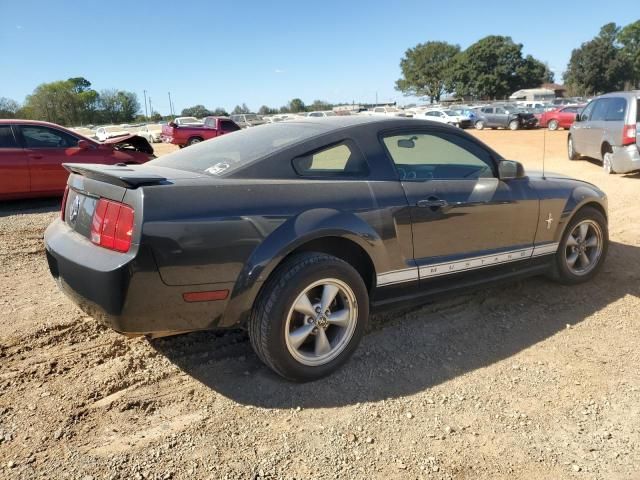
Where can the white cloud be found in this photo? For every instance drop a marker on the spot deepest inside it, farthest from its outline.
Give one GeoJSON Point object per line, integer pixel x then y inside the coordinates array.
{"type": "Point", "coordinates": [277, 70]}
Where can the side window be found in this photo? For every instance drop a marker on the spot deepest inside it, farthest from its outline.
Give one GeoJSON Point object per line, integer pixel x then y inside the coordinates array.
{"type": "Point", "coordinates": [7, 140]}
{"type": "Point", "coordinates": [422, 156]}
{"type": "Point", "coordinates": [338, 160]}
{"type": "Point", "coordinates": [228, 126]}
{"type": "Point", "coordinates": [487, 110]}
{"type": "Point", "coordinates": [587, 111]}
{"type": "Point", "coordinates": [500, 110]}
{"type": "Point", "coordinates": [615, 110]}
{"type": "Point", "coordinates": [44, 137]}
{"type": "Point", "coordinates": [600, 110]}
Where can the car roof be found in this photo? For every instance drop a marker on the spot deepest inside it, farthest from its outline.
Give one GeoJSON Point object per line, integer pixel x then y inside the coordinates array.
{"type": "Point", "coordinates": [29, 122]}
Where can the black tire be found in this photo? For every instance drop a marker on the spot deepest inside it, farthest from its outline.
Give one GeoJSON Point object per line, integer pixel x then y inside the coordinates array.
{"type": "Point", "coordinates": [571, 149]}
{"type": "Point", "coordinates": [268, 319]}
{"type": "Point", "coordinates": [193, 141]}
{"type": "Point", "coordinates": [514, 125]}
{"type": "Point", "coordinates": [479, 125]}
{"type": "Point", "coordinates": [553, 125]}
{"type": "Point", "coordinates": [561, 272]}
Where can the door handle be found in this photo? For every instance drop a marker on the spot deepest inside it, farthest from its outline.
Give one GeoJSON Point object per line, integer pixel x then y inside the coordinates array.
{"type": "Point", "coordinates": [432, 203]}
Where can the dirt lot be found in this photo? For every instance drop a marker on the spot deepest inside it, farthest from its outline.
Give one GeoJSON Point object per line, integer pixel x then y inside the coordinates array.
{"type": "Point", "coordinates": [532, 380]}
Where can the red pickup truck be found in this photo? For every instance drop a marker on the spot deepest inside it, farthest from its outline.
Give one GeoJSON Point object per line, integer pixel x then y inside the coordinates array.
{"type": "Point", "coordinates": [185, 135]}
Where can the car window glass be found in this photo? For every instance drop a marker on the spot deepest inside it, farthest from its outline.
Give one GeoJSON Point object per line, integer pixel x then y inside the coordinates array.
{"type": "Point", "coordinates": [500, 110]}
{"type": "Point", "coordinates": [487, 110]}
{"type": "Point", "coordinates": [586, 113]}
{"type": "Point", "coordinates": [339, 159]}
{"type": "Point", "coordinates": [600, 110]}
{"type": "Point", "coordinates": [228, 126]}
{"type": "Point", "coordinates": [615, 110]}
{"type": "Point", "coordinates": [443, 156]}
{"type": "Point", "coordinates": [44, 137]}
{"type": "Point", "coordinates": [7, 140]}
{"type": "Point", "coordinates": [570, 110]}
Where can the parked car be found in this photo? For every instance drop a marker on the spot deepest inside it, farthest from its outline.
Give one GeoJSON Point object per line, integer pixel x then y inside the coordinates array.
{"type": "Point", "coordinates": [297, 230]}
{"type": "Point", "coordinates": [559, 118]}
{"type": "Point", "coordinates": [110, 131]}
{"type": "Point", "coordinates": [505, 116]}
{"type": "Point", "coordinates": [322, 113]}
{"type": "Point", "coordinates": [246, 120]}
{"type": "Point", "coordinates": [465, 111]}
{"type": "Point", "coordinates": [445, 116]}
{"type": "Point", "coordinates": [272, 119]}
{"type": "Point", "coordinates": [189, 134]}
{"type": "Point", "coordinates": [608, 130]}
{"type": "Point", "coordinates": [32, 154]}
{"type": "Point", "coordinates": [386, 112]}
{"type": "Point", "coordinates": [152, 132]}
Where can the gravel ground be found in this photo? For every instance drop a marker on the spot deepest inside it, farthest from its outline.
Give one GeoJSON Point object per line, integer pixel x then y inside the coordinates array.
{"type": "Point", "coordinates": [533, 380]}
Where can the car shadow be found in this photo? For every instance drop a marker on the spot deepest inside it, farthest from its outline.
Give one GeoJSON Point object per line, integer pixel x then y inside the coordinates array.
{"type": "Point", "coordinates": [39, 205]}
{"type": "Point", "coordinates": [411, 352]}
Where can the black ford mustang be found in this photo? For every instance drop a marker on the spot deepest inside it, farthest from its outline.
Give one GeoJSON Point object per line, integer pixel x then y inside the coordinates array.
{"type": "Point", "coordinates": [297, 229]}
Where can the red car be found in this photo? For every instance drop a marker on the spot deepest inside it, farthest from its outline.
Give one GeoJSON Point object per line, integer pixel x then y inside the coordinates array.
{"type": "Point", "coordinates": [190, 134]}
{"type": "Point", "coordinates": [562, 117]}
{"type": "Point", "coordinates": [32, 154]}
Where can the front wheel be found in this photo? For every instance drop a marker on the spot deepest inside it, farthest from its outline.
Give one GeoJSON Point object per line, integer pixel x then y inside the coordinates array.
{"type": "Point", "coordinates": [583, 247]}
{"type": "Point", "coordinates": [514, 125]}
{"type": "Point", "coordinates": [571, 149]}
{"type": "Point", "coordinates": [553, 125]}
{"type": "Point", "coordinates": [309, 317]}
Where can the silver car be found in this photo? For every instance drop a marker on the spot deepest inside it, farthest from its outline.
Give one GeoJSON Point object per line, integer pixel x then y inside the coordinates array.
{"type": "Point", "coordinates": [608, 130]}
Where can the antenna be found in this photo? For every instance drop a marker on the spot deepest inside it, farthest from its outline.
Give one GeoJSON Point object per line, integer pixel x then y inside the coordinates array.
{"type": "Point", "coordinates": [544, 149]}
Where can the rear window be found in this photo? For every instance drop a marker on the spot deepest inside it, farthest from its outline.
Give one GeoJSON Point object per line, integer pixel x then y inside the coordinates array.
{"type": "Point", "coordinates": [224, 155]}
{"type": "Point", "coordinates": [7, 140]}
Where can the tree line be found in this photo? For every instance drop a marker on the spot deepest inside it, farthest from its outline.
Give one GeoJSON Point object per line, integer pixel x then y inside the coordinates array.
{"type": "Point", "coordinates": [74, 102]}
{"type": "Point", "coordinates": [296, 105]}
{"type": "Point", "coordinates": [494, 67]}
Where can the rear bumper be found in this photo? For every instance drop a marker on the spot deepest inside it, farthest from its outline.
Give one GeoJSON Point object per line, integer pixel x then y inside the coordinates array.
{"type": "Point", "coordinates": [125, 291]}
{"type": "Point", "coordinates": [626, 159]}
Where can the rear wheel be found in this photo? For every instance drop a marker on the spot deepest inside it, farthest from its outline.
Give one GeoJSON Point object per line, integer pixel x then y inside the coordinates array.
{"type": "Point", "coordinates": [309, 317]}
{"type": "Point", "coordinates": [553, 125]}
{"type": "Point", "coordinates": [514, 125]}
{"type": "Point", "coordinates": [571, 149]}
{"type": "Point", "coordinates": [607, 161]}
{"type": "Point", "coordinates": [583, 247]}
{"type": "Point", "coordinates": [193, 141]}
{"type": "Point", "coordinates": [479, 125]}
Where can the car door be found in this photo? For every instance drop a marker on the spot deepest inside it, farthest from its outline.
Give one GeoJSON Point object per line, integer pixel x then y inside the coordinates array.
{"type": "Point", "coordinates": [14, 167]}
{"type": "Point", "coordinates": [487, 114]}
{"type": "Point", "coordinates": [47, 149]}
{"type": "Point", "coordinates": [566, 116]}
{"type": "Point", "coordinates": [463, 217]}
{"type": "Point", "coordinates": [596, 128]}
{"type": "Point", "coordinates": [500, 117]}
{"type": "Point", "coordinates": [581, 128]}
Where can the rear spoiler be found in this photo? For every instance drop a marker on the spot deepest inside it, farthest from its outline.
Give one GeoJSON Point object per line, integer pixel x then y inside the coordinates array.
{"type": "Point", "coordinates": [121, 175]}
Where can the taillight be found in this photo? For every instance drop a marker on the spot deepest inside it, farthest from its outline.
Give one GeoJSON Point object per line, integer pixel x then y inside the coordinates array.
{"type": "Point", "coordinates": [112, 225]}
{"type": "Point", "coordinates": [629, 133]}
{"type": "Point", "coordinates": [64, 202]}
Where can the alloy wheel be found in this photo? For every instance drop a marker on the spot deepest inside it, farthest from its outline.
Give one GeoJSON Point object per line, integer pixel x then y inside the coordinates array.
{"type": "Point", "coordinates": [583, 247]}
{"type": "Point", "coordinates": [321, 322]}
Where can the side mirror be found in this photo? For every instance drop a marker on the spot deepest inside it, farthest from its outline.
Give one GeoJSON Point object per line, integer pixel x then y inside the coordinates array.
{"type": "Point", "coordinates": [83, 145]}
{"type": "Point", "coordinates": [508, 169]}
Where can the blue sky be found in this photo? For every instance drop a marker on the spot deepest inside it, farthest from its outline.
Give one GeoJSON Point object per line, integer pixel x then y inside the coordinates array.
{"type": "Point", "coordinates": [259, 52]}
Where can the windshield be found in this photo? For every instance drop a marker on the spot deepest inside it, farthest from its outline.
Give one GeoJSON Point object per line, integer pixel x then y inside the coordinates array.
{"type": "Point", "coordinates": [251, 117]}
{"type": "Point", "coordinates": [222, 156]}
{"type": "Point", "coordinates": [451, 113]}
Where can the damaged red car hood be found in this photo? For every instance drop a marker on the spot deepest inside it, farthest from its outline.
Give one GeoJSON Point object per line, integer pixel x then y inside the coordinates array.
{"type": "Point", "coordinates": [131, 142]}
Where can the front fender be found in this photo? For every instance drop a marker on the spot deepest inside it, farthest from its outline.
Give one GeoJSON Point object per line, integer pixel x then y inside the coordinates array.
{"type": "Point", "coordinates": [293, 233]}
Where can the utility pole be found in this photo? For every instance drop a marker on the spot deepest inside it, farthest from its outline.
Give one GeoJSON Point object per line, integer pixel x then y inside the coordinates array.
{"type": "Point", "coordinates": [146, 112]}
{"type": "Point", "coordinates": [170, 104]}
{"type": "Point", "coordinates": [376, 99]}
{"type": "Point", "coordinates": [150, 107]}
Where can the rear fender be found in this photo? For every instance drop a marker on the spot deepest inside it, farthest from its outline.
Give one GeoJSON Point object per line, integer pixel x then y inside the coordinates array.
{"type": "Point", "coordinates": [292, 234]}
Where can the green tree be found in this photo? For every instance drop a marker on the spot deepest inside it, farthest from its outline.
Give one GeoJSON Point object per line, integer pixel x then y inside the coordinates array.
{"type": "Point", "coordinates": [118, 106]}
{"type": "Point", "coordinates": [296, 105]}
{"type": "Point", "coordinates": [265, 110]}
{"type": "Point", "coordinates": [241, 109]}
{"type": "Point", "coordinates": [629, 39]}
{"type": "Point", "coordinates": [155, 116]}
{"type": "Point", "coordinates": [220, 112]}
{"type": "Point", "coordinates": [319, 105]}
{"type": "Point", "coordinates": [426, 69]}
{"type": "Point", "coordinates": [8, 108]}
{"type": "Point", "coordinates": [494, 67]}
{"type": "Point", "coordinates": [197, 111]}
{"type": "Point", "coordinates": [598, 65]}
